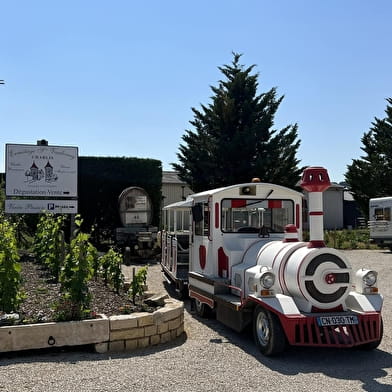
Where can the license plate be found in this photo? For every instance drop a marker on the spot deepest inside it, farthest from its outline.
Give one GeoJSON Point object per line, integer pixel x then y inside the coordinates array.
{"type": "Point", "coordinates": [326, 321]}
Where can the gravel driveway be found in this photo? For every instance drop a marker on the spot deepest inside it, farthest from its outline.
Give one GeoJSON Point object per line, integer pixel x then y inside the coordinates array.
{"type": "Point", "coordinates": [211, 357]}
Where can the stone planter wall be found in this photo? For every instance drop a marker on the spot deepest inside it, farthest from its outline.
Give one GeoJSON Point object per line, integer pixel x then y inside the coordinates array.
{"type": "Point", "coordinates": [54, 334]}
{"type": "Point", "coordinates": [116, 333]}
{"type": "Point", "coordinates": [140, 330]}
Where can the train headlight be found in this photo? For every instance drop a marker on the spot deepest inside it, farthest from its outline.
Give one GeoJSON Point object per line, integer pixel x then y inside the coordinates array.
{"type": "Point", "coordinates": [365, 281]}
{"type": "Point", "coordinates": [370, 278]}
{"type": "Point", "coordinates": [267, 279]}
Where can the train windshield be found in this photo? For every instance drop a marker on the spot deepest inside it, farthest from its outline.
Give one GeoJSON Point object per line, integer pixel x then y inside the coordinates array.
{"type": "Point", "coordinates": [256, 216]}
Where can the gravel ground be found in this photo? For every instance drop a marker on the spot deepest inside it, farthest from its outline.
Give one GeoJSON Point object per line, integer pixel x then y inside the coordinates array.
{"type": "Point", "coordinates": [211, 357]}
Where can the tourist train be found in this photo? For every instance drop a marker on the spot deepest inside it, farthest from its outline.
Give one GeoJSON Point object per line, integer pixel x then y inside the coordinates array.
{"type": "Point", "coordinates": [238, 251]}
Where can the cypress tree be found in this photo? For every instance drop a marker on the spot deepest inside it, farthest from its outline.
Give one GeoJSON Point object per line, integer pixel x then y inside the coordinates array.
{"type": "Point", "coordinates": [371, 175]}
{"type": "Point", "coordinates": [233, 138]}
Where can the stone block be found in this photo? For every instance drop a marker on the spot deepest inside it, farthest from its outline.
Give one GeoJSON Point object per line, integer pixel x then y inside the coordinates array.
{"type": "Point", "coordinates": [162, 328]}
{"type": "Point", "coordinates": [165, 337]}
{"type": "Point", "coordinates": [171, 312]}
{"type": "Point", "coordinates": [131, 344]}
{"type": "Point", "coordinates": [155, 339]}
{"type": "Point", "coordinates": [156, 300]}
{"type": "Point", "coordinates": [174, 324]}
{"type": "Point", "coordinates": [70, 333]}
{"type": "Point", "coordinates": [101, 348]}
{"type": "Point", "coordinates": [123, 321]}
{"type": "Point", "coordinates": [144, 319]}
{"type": "Point", "coordinates": [158, 317]}
{"type": "Point", "coordinates": [125, 334]}
{"type": "Point", "coordinates": [143, 342]}
{"type": "Point", "coordinates": [150, 330]}
{"type": "Point", "coordinates": [117, 346]}
{"type": "Point", "coordinates": [180, 330]}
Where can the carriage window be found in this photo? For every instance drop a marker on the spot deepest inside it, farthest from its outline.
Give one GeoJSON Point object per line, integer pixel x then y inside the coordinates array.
{"type": "Point", "coordinates": [171, 220]}
{"type": "Point", "coordinates": [202, 227]}
{"type": "Point", "coordinates": [182, 219]}
{"type": "Point", "coordinates": [250, 215]}
{"type": "Point", "coordinates": [382, 214]}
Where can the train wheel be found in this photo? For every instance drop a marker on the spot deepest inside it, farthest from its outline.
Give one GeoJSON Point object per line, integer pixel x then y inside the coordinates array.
{"type": "Point", "coordinates": [267, 332]}
{"type": "Point", "coordinates": [202, 310]}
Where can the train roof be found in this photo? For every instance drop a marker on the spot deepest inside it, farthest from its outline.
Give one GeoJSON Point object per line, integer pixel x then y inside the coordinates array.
{"type": "Point", "coordinates": [236, 186]}
{"type": "Point", "coordinates": [189, 201]}
{"type": "Point", "coordinates": [378, 199]}
{"type": "Point", "coordinates": [180, 204]}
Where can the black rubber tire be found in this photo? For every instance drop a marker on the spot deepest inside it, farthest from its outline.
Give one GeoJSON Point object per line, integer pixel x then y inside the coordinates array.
{"type": "Point", "coordinates": [268, 333]}
{"type": "Point", "coordinates": [202, 310]}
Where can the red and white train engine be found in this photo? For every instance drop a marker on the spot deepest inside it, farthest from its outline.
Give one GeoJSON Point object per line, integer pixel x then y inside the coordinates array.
{"type": "Point", "coordinates": [247, 261]}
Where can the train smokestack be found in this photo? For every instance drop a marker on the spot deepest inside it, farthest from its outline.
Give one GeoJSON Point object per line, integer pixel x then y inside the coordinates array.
{"type": "Point", "coordinates": [315, 180]}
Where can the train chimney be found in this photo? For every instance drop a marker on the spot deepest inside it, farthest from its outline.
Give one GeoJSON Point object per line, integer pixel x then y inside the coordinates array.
{"type": "Point", "coordinates": [315, 180]}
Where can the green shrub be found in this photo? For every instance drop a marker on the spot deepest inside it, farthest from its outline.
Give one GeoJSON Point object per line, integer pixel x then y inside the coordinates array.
{"type": "Point", "coordinates": [110, 264]}
{"type": "Point", "coordinates": [10, 277]}
{"type": "Point", "coordinates": [348, 239]}
{"type": "Point", "coordinates": [74, 277]}
{"type": "Point", "coordinates": [49, 244]}
{"type": "Point", "coordinates": [138, 284]}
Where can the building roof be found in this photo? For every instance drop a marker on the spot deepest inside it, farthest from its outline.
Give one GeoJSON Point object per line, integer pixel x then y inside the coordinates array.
{"type": "Point", "coordinates": [171, 177]}
{"type": "Point", "coordinates": [348, 196]}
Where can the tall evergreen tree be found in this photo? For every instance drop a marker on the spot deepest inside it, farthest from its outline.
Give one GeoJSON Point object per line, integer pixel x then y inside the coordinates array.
{"type": "Point", "coordinates": [371, 175]}
{"type": "Point", "coordinates": [233, 138]}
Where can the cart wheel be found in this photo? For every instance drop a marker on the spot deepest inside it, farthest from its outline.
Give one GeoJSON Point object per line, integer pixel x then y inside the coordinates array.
{"type": "Point", "coordinates": [267, 332]}
{"type": "Point", "coordinates": [202, 310]}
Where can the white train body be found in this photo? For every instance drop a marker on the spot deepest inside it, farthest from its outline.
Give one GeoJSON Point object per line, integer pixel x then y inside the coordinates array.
{"type": "Point", "coordinates": [247, 261]}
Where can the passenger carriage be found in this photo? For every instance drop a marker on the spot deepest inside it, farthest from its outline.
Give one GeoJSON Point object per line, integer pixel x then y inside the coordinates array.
{"type": "Point", "coordinates": [174, 239]}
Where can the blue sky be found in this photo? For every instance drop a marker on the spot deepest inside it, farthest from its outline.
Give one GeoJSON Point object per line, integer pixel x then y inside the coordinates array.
{"type": "Point", "coordinates": [119, 78]}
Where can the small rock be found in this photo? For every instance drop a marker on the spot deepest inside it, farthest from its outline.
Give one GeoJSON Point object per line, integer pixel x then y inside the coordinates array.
{"type": "Point", "coordinates": [157, 300]}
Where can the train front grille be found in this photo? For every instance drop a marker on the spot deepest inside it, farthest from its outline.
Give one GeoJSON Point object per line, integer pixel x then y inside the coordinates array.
{"type": "Point", "coordinates": [307, 332]}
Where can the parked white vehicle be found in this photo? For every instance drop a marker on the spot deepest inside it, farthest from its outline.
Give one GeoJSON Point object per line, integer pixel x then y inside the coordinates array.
{"type": "Point", "coordinates": [380, 224]}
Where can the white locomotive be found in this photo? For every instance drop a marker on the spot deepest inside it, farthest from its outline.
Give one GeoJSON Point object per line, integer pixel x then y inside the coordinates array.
{"type": "Point", "coordinates": [247, 261]}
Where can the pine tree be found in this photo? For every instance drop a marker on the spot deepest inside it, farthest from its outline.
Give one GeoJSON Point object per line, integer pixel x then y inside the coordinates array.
{"type": "Point", "coordinates": [233, 138]}
{"type": "Point", "coordinates": [371, 175]}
